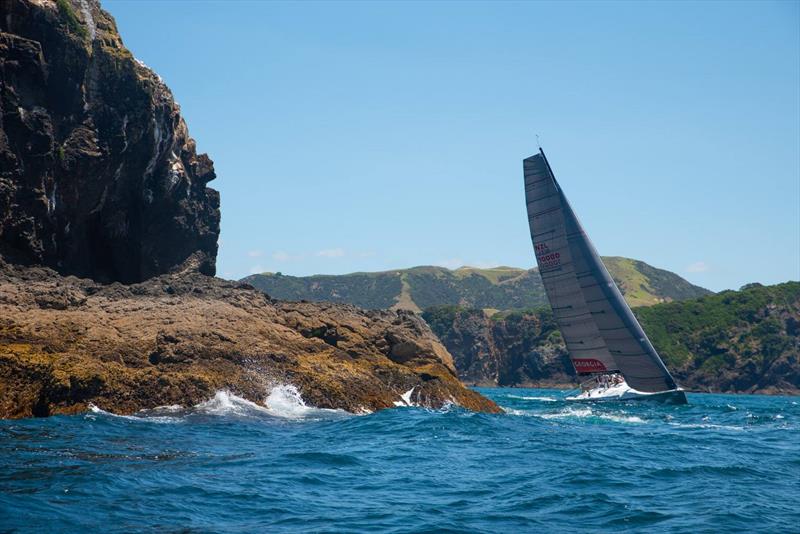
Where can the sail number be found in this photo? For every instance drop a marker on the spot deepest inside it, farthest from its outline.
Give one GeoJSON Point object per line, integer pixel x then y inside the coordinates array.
{"type": "Point", "coordinates": [545, 258]}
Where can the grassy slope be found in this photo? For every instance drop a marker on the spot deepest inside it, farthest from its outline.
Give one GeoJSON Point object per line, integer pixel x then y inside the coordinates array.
{"type": "Point", "coordinates": [366, 290]}
{"type": "Point", "coordinates": [498, 288]}
{"type": "Point", "coordinates": [632, 282]}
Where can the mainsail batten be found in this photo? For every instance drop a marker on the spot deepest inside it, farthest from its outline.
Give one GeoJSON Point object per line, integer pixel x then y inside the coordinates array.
{"type": "Point", "coordinates": [598, 327]}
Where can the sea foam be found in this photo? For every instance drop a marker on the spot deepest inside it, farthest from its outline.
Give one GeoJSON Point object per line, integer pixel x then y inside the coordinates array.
{"type": "Point", "coordinates": [283, 401]}
{"type": "Point", "coordinates": [226, 403]}
{"type": "Point", "coordinates": [405, 398]}
{"type": "Point", "coordinates": [542, 399]}
{"type": "Point", "coordinates": [578, 412]}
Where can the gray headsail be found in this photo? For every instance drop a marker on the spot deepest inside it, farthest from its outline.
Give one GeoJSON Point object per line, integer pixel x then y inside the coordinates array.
{"type": "Point", "coordinates": [598, 326]}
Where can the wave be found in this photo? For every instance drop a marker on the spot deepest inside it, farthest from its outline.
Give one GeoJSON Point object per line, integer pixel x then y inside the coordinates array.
{"type": "Point", "coordinates": [258, 471]}
{"type": "Point", "coordinates": [405, 398]}
{"type": "Point", "coordinates": [543, 399]}
{"type": "Point", "coordinates": [284, 401]}
{"type": "Point", "coordinates": [152, 416]}
{"type": "Point", "coordinates": [226, 403]}
{"type": "Point", "coordinates": [571, 412]}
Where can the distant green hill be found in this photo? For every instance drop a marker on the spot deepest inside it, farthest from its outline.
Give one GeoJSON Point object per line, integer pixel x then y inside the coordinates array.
{"type": "Point", "coordinates": [499, 288]}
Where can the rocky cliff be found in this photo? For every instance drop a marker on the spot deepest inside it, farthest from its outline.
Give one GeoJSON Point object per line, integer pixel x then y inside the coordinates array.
{"type": "Point", "coordinates": [67, 342]}
{"type": "Point", "coordinates": [98, 174]}
{"type": "Point", "coordinates": [519, 348]}
{"type": "Point", "coordinates": [108, 235]}
{"type": "Point", "coordinates": [737, 341]}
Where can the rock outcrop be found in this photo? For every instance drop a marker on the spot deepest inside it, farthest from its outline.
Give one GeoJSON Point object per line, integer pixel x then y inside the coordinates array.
{"type": "Point", "coordinates": [67, 342]}
{"type": "Point", "coordinates": [98, 175]}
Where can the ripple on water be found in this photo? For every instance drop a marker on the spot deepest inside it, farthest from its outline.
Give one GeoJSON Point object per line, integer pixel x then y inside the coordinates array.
{"type": "Point", "coordinates": [229, 464]}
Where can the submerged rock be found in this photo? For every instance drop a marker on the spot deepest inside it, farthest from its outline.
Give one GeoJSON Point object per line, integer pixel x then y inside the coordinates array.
{"type": "Point", "coordinates": [67, 342]}
{"type": "Point", "coordinates": [98, 175]}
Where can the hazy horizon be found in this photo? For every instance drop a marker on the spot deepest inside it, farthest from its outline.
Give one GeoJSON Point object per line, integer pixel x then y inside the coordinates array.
{"type": "Point", "coordinates": [375, 136]}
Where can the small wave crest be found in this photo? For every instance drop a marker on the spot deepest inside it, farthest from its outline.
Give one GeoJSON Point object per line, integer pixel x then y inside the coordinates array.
{"type": "Point", "coordinates": [283, 401]}
{"type": "Point", "coordinates": [579, 413]}
{"type": "Point", "coordinates": [588, 413]}
{"type": "Point", "coordinates": [706, 426]}
{"type": "Point", "coordinates": [226, 403]}
{"type": "Point", "coordinates": [405, 398]}
{"type": "Point", "coordinates": [156, 415]}
{"type": "Point", "coordinates": [408, 400]}
{"type": "Point", "coordinates": [542, 399]}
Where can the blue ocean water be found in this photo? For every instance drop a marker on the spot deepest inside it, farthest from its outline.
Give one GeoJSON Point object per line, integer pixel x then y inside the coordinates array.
{"type": "Point", "coordinates": [722, 463]}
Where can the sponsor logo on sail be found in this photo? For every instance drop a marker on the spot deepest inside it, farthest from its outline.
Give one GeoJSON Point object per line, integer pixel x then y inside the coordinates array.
{"type": "Point", "coordinates": [588, 365]}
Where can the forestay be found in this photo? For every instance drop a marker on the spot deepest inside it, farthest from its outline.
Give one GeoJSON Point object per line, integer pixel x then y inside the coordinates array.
{"type": "Point", "coordinates": [598, 327]}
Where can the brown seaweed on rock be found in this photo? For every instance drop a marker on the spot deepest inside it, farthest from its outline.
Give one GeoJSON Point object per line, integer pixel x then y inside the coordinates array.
{"type": "Point", "coordinates": [67, 342]}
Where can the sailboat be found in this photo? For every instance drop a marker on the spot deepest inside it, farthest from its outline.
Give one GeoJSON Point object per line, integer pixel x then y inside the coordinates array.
{"type": "Point", "coordinates": [606, 343]}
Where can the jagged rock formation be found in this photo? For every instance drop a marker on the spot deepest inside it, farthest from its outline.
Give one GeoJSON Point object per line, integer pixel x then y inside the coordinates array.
{"type": "Point", "coordinates": [499, 288]}
{"type": "Point", "coordinates": [98, 174]}
{"type": "Point", "coordinates": [66, 342]}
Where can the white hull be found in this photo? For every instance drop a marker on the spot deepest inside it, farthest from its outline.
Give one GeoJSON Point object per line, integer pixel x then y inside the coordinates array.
{"type": "Point", "coordinates": [623, 392]}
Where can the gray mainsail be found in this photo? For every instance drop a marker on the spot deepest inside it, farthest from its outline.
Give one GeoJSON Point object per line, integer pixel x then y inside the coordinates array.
{"type": "Point", "coordinates": [554, 255]}
{"type": "Point", "coordinates": [600, 331]}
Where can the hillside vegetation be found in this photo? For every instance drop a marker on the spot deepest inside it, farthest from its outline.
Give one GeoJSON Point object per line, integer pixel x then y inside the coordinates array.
{"type": "Point", "coordinates": [499, 288]}
{"type": "Point", "coordinates": [732, 341]}
{"type": "Point", "coordinates": [746, 341]}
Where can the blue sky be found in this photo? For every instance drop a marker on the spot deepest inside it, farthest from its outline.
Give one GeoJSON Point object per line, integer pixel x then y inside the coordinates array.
{"type": "Point", "coordinates": [370, 136]}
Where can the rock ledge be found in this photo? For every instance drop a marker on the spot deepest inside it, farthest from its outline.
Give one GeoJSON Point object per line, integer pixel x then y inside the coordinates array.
{"type": "Point", "coordinates": [67, 342]}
